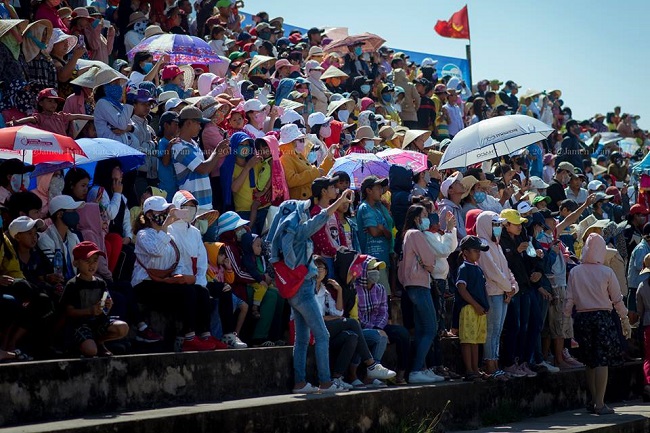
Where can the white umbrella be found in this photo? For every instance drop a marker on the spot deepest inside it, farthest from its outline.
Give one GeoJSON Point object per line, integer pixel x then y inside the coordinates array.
{"type": "Point", "coordinates": [492, 138]}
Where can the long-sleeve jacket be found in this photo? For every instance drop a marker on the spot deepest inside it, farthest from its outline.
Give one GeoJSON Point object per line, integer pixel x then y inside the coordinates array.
{"type": "Point", "coordinates": [442, 244]}
{"type": "Point", "coordinates": [300, 174]}
{"type": "Point", "coordinates": [154, 251]}
{"type": "Point", "coordinates": [194, 259]}
{"type": "Point", "coordinates": [499, 278]}
{"type": "Point", "coordinates": [411, 102]}
{"type": "Point", "coordinates": [416, 252]}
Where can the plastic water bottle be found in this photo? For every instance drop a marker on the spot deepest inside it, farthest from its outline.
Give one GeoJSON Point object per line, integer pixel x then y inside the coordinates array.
{"type": "Point", "coordinates": [105, 296]}
{"type": "Point", "coordinates": [57, 262]}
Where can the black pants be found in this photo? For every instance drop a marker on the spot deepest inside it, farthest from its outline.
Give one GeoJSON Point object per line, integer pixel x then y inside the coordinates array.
{"type": "Point", "coordinates": [192, 302]}
{"type": "Point", "coordinates": [224, 300]}
{"type": "Point", "coordinates": [349, 326]}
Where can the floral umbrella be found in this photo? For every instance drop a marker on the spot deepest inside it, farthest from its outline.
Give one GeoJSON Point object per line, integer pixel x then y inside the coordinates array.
{"type": "Point", "coordinates": [182, 49]}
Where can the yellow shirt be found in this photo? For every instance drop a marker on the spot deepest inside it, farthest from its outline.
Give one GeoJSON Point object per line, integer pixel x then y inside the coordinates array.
{"type": "Point", "coordinates": [10, 266]}
{"type": "Point", "coordinates": [243, 198]}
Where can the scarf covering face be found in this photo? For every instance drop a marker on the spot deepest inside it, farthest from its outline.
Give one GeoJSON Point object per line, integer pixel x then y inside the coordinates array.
{"type": "Point", "coordinates": [14, 46]}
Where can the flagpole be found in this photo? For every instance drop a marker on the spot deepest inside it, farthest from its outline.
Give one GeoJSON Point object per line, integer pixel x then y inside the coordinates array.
{"type": "Point", "coordinates": [468, 53]}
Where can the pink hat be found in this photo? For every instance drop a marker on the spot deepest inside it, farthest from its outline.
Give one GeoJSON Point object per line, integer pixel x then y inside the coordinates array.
{"type": "Point", "coordinates": [282, 63]}
{"type": "Point", "coordinates": [365, 103]}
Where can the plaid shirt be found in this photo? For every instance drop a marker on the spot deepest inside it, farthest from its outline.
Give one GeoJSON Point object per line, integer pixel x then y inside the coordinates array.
{"type": "Point", "coordinates": [372, 305]}
{"type": "Point", "coordinates": [42, 73]}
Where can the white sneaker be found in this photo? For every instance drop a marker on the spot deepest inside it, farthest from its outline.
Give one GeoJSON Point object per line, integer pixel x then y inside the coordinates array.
{"type": "Point", "coordinates": [381, 372]}
{"type": "Point", "coordinates": [307, 389]}
{"type": "Point", "coordinates": [333, 389]}
{"type": "Point", "coordinates": [570, 360]}
{"type": "Point", "coordinates": [342, 384]}
{"type": "Point", "coordinates": [233, 341]}
{"type": "Point", "coordinates": [514, 371]}
{"type": "Point", "coordinates": [549, 367]}
{"type": "Point", "coordinates": [429, 372]}
{"type": "Point", "coordinates": [523, 367]}
{"type": "Point", "coordinates": [376, 383]}
{"type": "Point", "coordinates": [420, 377]}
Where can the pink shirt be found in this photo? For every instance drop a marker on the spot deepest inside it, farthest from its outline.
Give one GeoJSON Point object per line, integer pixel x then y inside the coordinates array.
{"type": "Point", "coordinates": [416, 252]}
{"type": "Point", "coordinates": [212, 136]}
{"type": "Point", "coordinates": [46, 12]}
{"type": "Point", "coordinates": [57, 122]}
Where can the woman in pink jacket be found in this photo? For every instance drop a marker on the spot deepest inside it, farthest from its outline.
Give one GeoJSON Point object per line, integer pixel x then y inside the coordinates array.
{"type": "Point", "coordinates": [593, 289]}
{"type": "Point", "coordinates": [415, 274]}
{"type": "Point", "coordinates": [500, 285]}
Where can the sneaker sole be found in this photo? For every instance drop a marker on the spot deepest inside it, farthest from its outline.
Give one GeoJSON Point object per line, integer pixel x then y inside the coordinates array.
{"type": "Point", "coordinates": [145, 340]}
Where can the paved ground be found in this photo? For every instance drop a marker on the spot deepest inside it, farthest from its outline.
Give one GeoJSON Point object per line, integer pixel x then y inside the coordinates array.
{"type": "Point", "coordinates": [632, 417]}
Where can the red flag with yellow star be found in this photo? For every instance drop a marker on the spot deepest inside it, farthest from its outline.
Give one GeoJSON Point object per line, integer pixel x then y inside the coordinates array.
{"type": "Point", "coordinates": [457, 27]}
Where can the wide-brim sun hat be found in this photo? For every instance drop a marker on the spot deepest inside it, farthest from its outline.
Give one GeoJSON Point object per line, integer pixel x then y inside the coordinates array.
{"type": "Point", "coordinates": [229, 221]}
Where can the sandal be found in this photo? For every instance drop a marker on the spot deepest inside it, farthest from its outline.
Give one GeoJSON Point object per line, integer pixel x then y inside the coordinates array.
{"type": "Point", "coordinates": [22, 356]}
{"type": "Point", "coordinates": [473, 377]}
{"type": "Point", "coordinates": [500, 376]}
{"type": "Point", "coordinates": [267, 344]}
{"type": "Point", "coordinates": [103, 352]}
{"type": "Point", "coordinates": [605, 410]}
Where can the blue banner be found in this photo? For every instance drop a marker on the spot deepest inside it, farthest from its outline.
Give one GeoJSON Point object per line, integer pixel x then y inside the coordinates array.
{"type": "Point", "coordinates": [453, 66]}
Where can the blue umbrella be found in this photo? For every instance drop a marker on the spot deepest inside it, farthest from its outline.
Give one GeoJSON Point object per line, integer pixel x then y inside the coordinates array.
{"type": "Point", "coordinates": [97, 149]}
{"type": "Point", "coordinates": [359, 166]}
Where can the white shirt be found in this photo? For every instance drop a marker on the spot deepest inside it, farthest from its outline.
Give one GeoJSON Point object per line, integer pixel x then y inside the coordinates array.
{"type": "Point", "coordinates": [152, 248]}
{"type": "Point", "coordinates": [190, 244]}
{"type": "Point", "coordinates": [326, 303]}
{"type": "Point", "coordinates": [455, 118]}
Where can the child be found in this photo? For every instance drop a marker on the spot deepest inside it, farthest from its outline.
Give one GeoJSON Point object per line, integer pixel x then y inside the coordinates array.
{"type": "Point", "coordinates": [220, 275]}
{"type": "Point", "coordinates": [87, 304]}
{"type": "Point", "coordinates": [173, 77]}
{"type": "Point", "coordinates": [472, 296]}
{"type": "Point", "coordinates": [236, 121]}
{"type": "Point", "coordinates": [255, 264]}
{"type": "Point", "coordinates": [47, 117]}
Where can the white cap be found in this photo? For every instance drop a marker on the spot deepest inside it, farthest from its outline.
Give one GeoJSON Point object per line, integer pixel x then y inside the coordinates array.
{"type": "Point", "coordinates": [156, 204]}
{"type": "Point", "coordinates": [253, 105]}
{"type": "Point", "coordinates": [312, 65]}
{"type": "Point", "coordinates": [426, 62]}
{"type": "Point", "coordinates": [289, 133]}
{"type": "Point", "coordinates": [446, 184]}
{"type": "Point", "coordinates": [525, 207]}
{"type": "Point", "coordinates": [318, 118]}
{"type": "Point", "coordinates": [595, 185]}
{"type": "Point", "coordinates": [537, 182]}
{"type": "Point", "coordinates": [64, 202]}
{"type": "Point", "coordinates": [24, 224]}
{"type": "Point", "coordinates": [172, 103]}
{"type": "Point", "coordinates": [290, 116]}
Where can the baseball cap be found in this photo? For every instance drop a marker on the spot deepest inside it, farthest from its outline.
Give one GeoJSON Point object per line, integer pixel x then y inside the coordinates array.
{"type": "Point", "coordinates": [14, 166]}
{"type": "Point", "coordinates": [440, 88]}
{"type": "Point", "coordinates": [318, 118]}
{"type": "Point", "coordinates": [371, 181]}
{"type": "Point", "coordinates": [173, 103]}
{"type": "Point", "coordinates": [23, 224]}
{"type": "Point", "coordinates": [525, 207]}
{"type": "Point", "coordinates": [537, 183]}
{"type": "Point", "coordinates": [48, 94]}
{"type": "Point", "coordinates": [192, 113]}
{"type": "Point", "coordinates": [473, 243]}
{"type": "Point", "coordinates": [170, 72]}
{"type": "Point", "coordinates": [601, 196]}
{"type": "Point", "coordinates": [167, 116]}
{"type": "Point", "coordinates": [540, 198]}
{"type": "Point", "coordinates": [155, 204]}
{"type": "Point", "coordinates": [85, 250]}
{"type": "Point", "coordinates": [512, 216]}
{"type": "Point", "coordinates": [182, 197]}
{"type": "Point", "coordinates": [446, 184]}
{"type": "Point", "coordinates": [595, 185]}
{"type": "Point", "coordinates": [64, 202]}
{"type": "Point", "coordinates": [253, 105]}
{"type": "Point", "coordinates": [321, 183]}
{"type": "Point", "coordinates": [539, 218]}
{"type": "Point", "coordinates": [564, 165]}
{"type": "Point", "coordinates": [547, 214]}
{"type": "Point", "coordinates": [639, 209]}
{"type": "Point", "coordinates": [569, 204]}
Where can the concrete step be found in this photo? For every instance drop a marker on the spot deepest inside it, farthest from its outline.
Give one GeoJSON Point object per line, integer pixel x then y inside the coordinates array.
{"type": "Point", "coordinates": [463, 405]}
{"type": "Point", "coordinates": [630, 417]}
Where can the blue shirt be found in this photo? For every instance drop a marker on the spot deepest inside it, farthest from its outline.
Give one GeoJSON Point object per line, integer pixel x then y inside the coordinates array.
{"type": "Point", "coordinates": [166, 173]}
{"type": "Point", "coordinates": [536, 165]}
{"type": "Point", "coordinates": [379, 246]}
{"type": "Point", "coordinates": [474, 279]}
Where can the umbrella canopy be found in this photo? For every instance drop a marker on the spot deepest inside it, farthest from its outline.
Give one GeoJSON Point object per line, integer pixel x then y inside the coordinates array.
{"type": "Point", "coordinates": [492, 138]}
{"type": "Point", "coordinates": [359, 166]}
{"type": "Point", "coordinates": [371, 43]}
{"type": "Point", "coordinates": [98, 149]}
{"type": "Point", "coordinates": [416, 161]}
{"type": "Point", "coordinates": [35, 146]}
{"type": "Point", "coordinates": [182, 49]}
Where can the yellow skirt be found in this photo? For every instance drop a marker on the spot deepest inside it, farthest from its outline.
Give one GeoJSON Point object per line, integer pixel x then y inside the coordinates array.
{"type": "Point", "coordinates": [473, 328]}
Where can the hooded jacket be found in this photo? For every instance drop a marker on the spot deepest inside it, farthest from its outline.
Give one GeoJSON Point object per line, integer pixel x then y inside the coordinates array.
{"type": "Point", "coordinates": [499, 278]}
{"type": "Point", "coordinates": [592, 286]}
{"type": "Point", "coordinates": [415, 252]}
{"type": "Point", "coordinates": [217, 273]}
{"type": "Point", "coordinates": [43, 191]}
{"type": "Point", "coordinates": [249, 259]}
{"type": "Point", "coordinates": [372, 301]}
{"type": "Point", "coordinates": [319, 93]}
{"type": "Point", "coordinates": [442, 244]}
{"type": "Point", "coordinates": [411, 102]}
{"type": "Point", "coordinates": [299, 173]}
{"type": "Point", "coordinates": [228, 168]}
{"type": "Point", "coordinates": [280, 190]}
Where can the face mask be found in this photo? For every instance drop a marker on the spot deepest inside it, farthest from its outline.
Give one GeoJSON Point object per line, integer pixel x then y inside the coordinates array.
{"type": "Point", "coordinates": [398, 108]}
{"type": "Point", "coordinates": [496, 231]}
{"type": "Point", "coordinates": [140, 27]}
{"type": "Point", "coordinates": [373, 125]}
{"type": "Point", "coordinates": [259, 117]}
{"type": "Point", "coordinates": [147, 67]}
{"type": "Point", "coordinates": [19, 182]}
{"type": "Point", "coordinates": [369, 145]}
{"type": "Point", "coordinates": [480, 196]}
{"type": "Point", "coordinates": [56, 186]}
{"type": "Point", "coordinates": [201, 225]}
{"type": "Point", "coordinates": [427, 177]}
{"type": "Point", "coordinates": [373, 276]}
{"type": "Point", "coordinates": [253, 54]}
{"type": "Point", "coordinates": [358, 51]}
{"type": "Point", "coordinates": [315, 74]}
{"type": "Point", "coordinates": [159, 219]}
{"type": "Point", "coordinates": [386, 97]}
{"type": "Point", "coordinates": [312, 157]}
{"type": "Point", "coordinates": [365, 57]}
{"type": "Point", "coordinates": [243, 151]}
{"type": "Point", "coordinates": [113, 92]}
{"type": "Point", "coordinates": [239, 233]}
{"type": "Point", "coordinates": [344, 115]}
{"type": "Point", "coordinates": [536, 99]}
{"type": "Point", "coordinates": [70, 219]}
{"type": "Point", "coordinates": [336, 82]}
{"type": "Point", "coordinates": [365, 89]}
{"type": "Point", "coordinates": [424, 225]}
{"type": "Point", "coordinates": [325, 132]}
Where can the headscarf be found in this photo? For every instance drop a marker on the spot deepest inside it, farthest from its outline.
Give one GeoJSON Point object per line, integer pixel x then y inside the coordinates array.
{"type": "Point", "coordinates": [228, 167]}
{"type": "Point", "coordinates": [12, 44]}
{"type": "Point", "coordinates": [470, 221]}
{"type": "Point", "coordinates": [280, 189]}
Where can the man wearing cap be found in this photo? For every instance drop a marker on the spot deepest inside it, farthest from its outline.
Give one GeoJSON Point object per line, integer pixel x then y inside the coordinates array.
{"type": "Point", "coordinates": [571, 150]}
{"type": "Point", "coordinates": [452, 191]}
{"type": "Point", "coordinates": [564, 173]}
{"type": "Point", "coordinates": [167, 131]}
{"type": "Point", "coordinates": [192, 170]}
{"type": "Point", "coordinates": [509, 95]}
{"type": "Point", "coordinates": [575, 191]}
{"type": "Point", "coordinates": [454, 113]}
{"type": "Point", "coordinates": [633, 226]}
{"type": "Point", "coordinates": [146, 174]}
{"type": "Point", "coordinates": [439, 98]}
{"type": "Point", "coordinates": [375, 224]}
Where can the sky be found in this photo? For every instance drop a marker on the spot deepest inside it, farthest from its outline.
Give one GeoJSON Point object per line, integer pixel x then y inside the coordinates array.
{"type": "Point", "coordinates": [595, 51]}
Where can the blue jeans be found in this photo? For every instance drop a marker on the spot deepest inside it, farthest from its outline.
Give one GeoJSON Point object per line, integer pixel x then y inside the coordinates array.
{"type": "Point", "coordinates": [522, 328]}
{"type": "Point", "coordinates": [307, 316]}
{"type": "Point", "coordinates": [496, 316]}
{"type": "Point", "coordinates": [538, 356]}
{"type": "Point", "coordinates": [424, 316]}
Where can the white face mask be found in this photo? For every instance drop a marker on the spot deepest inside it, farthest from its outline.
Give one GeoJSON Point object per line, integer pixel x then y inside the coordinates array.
{"type": "Point", "coordinates": [369, 145]}
{"type": "Point", "coordinates": [192, 210]}
{"type": "Point", "coordinates": [344, 115]}
{"type": "Point", "coordinates": [56, 186]}
{"type": "Point", "coordinates": [19, 182]}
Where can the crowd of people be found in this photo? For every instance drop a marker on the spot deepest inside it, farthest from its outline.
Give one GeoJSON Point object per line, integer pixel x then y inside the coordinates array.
{"type": "Point", "coordinates": [528, 259]}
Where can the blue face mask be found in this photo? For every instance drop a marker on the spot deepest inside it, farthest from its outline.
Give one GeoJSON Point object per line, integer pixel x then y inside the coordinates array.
{"type": "Point", "coordinates": [365, 89]}
{"type": "Point", "coordinates": [480, 196]}
{"type": "Point", "coordinates": [496, 231]}
{"type": "Point", "coordinates": [243, 151]}
{"type": "Point", "coordinates": [386, 97]}
{"type": "Point", "coordinates": [113, 92]}
{"type": "Point", "coordinates": [147, 67]}
{"type": "Point", "coordinates": [424, 225]}
{"type": "Point", "coordinates": [312, 157]}
{"type": "Point", "coordinates": [358, 51]}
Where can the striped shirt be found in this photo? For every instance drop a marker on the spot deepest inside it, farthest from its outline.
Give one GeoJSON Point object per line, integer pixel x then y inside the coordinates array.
{"type": "Point", "coordinates": [187, 157]}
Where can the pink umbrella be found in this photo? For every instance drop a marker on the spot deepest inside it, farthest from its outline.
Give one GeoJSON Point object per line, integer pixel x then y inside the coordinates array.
{"type": "Point", "coordinates": [416, 161]}
{"type": "Point", "coordinates": [371, 43]}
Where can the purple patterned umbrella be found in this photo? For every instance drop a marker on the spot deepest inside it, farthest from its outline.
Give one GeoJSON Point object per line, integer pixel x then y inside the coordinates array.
{"type": "Point", "coordinates": [182, 49]}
